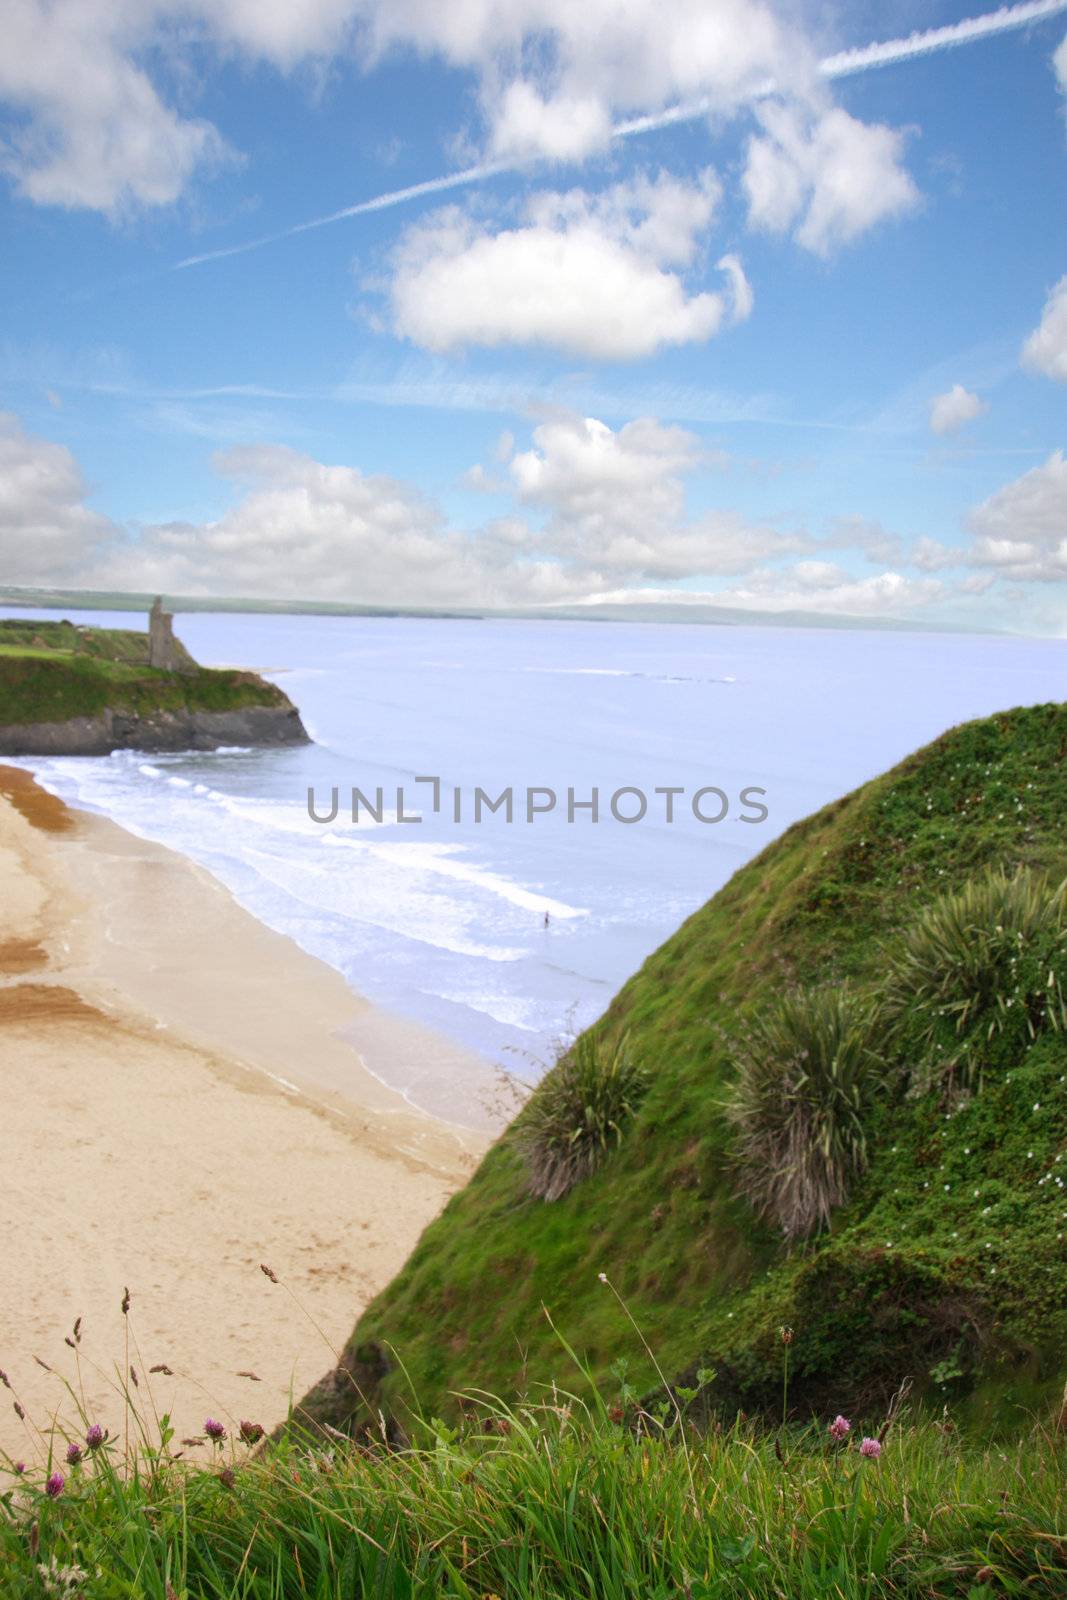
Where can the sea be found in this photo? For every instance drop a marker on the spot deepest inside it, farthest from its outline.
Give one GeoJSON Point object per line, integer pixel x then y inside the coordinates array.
{"type": "Point", "coordinates": [508, 935]}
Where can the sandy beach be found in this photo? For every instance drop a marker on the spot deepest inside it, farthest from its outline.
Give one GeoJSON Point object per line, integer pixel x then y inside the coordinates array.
{"type": "Point", "coordinates": [183, 1100]}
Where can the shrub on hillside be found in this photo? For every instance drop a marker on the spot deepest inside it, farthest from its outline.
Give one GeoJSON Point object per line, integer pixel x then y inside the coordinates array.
{"type": "Point", "coordinates": [578, 1114]}
{"type": "Point", "coordinates": [987, 961]}
{"type": "Point", "coordinates": [808, 1075]}
{"type": "Point", "coordinates": [864, 1318]}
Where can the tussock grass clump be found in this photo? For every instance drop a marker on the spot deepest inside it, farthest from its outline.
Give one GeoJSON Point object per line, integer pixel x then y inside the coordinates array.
{"type": "Point", "coordinates": [987, 960]}
{"type": "Point", "coordinates": [808, 1075]}
{"type": "Point", "coordinates": [577, 1115]}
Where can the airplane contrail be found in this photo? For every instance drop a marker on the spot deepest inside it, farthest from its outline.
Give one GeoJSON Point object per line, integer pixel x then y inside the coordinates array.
{"type": "Point", "coordinates": [846, 64]}
{"type": "Point", "coordinates": [932, 40]}
{"type": "Point", "coordinates": [381, 202]}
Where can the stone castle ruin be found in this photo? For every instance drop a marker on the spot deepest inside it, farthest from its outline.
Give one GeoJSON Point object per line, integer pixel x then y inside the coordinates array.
{"type": "Point", "coordinates": [164, 651]}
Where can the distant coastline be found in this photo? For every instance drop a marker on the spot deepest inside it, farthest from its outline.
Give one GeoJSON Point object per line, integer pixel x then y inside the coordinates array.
{"type": "Point", "coordinates": [681, 611]}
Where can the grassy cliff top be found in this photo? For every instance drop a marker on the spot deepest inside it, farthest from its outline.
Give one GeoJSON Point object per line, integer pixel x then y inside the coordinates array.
{"type": "Point", "coordinates": [22, 636]}
{"type": "Point", "coordinates": [947, 1262]}
{"type": "Point", "coordinates": [54, 671]}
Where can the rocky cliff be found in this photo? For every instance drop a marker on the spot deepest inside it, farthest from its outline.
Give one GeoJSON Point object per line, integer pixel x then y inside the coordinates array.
{"type": "Point", "coordinates": [89, 691]}
{"type": "Point", "coordinates": [184, 729]}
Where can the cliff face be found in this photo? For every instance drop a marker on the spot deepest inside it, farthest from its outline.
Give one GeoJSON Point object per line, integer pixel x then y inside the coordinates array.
{"type": "Point", "coordinates": [154, 731]}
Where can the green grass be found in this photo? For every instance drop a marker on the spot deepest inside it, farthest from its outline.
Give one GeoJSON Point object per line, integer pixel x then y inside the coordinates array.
{"type": "Point", "coordinates": [553, 1502]}
{"type": "Point", "coordinates": [915, 1275]}
{"type": "Point", "coordinates": [34, 653]}
{"type": "Point", "coordinates": [38, 686]}
{"type": "Point", "coordinates": [30, 636]}
{"type": "Point", "coordinates": [668, 1364]}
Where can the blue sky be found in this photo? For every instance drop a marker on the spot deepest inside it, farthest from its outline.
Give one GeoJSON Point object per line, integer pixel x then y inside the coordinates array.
{"type": "Point", "coordinates": [805, 349]}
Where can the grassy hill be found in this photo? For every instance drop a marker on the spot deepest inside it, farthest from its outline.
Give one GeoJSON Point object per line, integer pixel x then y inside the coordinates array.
{"type": "Point", "coordinates": [55, 671]}
{"type": "Point", "coordinates": [946, 1262]}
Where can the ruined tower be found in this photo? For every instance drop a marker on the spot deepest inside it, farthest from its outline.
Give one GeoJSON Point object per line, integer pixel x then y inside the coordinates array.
{"type": "Point", "coordinates": [163, 649]}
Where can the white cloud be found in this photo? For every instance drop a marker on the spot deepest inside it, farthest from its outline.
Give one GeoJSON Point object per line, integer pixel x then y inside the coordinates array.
{"type": "Point", "coordinates": [843, 64]}
{"type": "Point", "coordinates": [553, 74]}
{"type": "Point", "coordinates": [823, 587]}
{"type": "Point", "coordinates": [47, 533]}
{"type": "Point", "coordinates": [481, 481]}
{"type": "Point", "coordinates": [811, 586]}
{"type": "Point", "coordinates": [614, 511]}
{"type": "Point", "coordinates": [564, 129]}
{"type": "Point", "coordinates": [952, 411]}
{"type": "Point", "coordinates": [596, 511]}
{"type": "Point", "coordinates": [277, 31]}
{"type": "Point", "coordinates": [300, 528]}
{"type": "Point", "coordinates": [660, 217]}
{"type": "Point", "coordinates": [826, 175]}
{"type": "Point", "coordinates": [615, 503]}
{"type": "Point", "coordinates": [585, 274]}
{"type": "Point", "coordinates": [576, 462]}
{"type": "Point", "coordinates": [95, 132]}
{"type": "Point", "coordinates": [865, 534]}
{"type": "Point", "coordinates": [89, 81]}
{"type": "Point", "coordinates": [1059, 62]}
{"type": "Point", "coordinates": [1021, 531]}
{"type": "Point", "coordinates": [305, 528]}
{"type": "Point", "coordinates": [1046, 349]}
{"type": "Point", "coordinates": [612, 498]}
{"type": "Point", "coordinates": [932, 555]}
{"type": "Point", "coordinates": [593, 508]}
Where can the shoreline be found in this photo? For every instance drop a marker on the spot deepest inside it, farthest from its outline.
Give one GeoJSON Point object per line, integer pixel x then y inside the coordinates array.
{"type": "Point", "coordinates": [116, 873]}
{"type": "Point", "coordinates": [183, 1101]}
